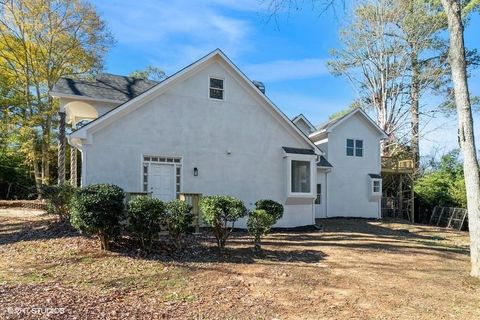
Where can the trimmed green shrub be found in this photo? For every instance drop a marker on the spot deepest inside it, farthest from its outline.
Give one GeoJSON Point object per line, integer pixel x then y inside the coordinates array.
{"type": "Point", "coordinates": [58, 199]}
{"type": "Point", "coordinates": [178, 220]}
{"type": "Point", "coordinates": [218, 211]}
{"type": "Point", "coordinates": [97, 209]}
{"type": "Point", "coordinates": [273, 208]}
{"type": "Point", "coordinates": [144, 217]}
{"type": "Point", "coordinates": [262, 219]}
{"type": "Point", "coordinates": [258, 224]}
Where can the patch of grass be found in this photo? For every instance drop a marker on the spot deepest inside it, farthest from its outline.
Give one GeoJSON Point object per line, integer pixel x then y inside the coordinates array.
{"type": "Point", "coordinates": [35, 277]}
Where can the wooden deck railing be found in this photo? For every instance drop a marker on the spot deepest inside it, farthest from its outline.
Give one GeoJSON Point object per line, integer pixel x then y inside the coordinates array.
{"type": "Point", "coordinates": [391, 164]}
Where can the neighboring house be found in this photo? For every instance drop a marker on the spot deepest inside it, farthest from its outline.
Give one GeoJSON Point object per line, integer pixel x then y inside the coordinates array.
{"type": "Point", "coordinates": [208, 129]}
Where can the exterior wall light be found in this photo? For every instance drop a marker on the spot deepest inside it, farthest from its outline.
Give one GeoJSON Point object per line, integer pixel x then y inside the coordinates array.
{"type": "Point", "coordinates": [195, 171]}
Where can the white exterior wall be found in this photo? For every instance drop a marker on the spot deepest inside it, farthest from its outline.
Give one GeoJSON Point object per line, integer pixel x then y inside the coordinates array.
{"type": "Point", "coordinates": [321, 209]}
{"type": "Point", "coordinates": [323, 145]}
{"type": "Point", "coordinates": [184, 122]}
{"type": "Point", "coordinates": [85, 109]}
{"type": "Point", "coordinates": [302, 125]}
{"type": "Point", "coordinates": [348, 182]}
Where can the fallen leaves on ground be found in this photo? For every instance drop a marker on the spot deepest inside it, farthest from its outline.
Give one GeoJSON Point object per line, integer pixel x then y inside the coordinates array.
{"type": "Point", "coordinates": [356, 269]}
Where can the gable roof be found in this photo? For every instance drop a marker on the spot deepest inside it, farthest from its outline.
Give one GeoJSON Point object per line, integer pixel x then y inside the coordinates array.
{"type": "Point", "coordinates": [105, 86]}
{"type": "Point", "coordinates": [330, 125]}
{"type": "Point", "coordinates": [327, 124]}
{"type": "Point", "coordinates": [160, 87]}
{"type": "Point", "coordinates": [304, 119]}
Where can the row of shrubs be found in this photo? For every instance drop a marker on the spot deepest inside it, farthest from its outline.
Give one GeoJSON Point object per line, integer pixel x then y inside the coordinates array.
{"type": "Point", "coordinates": [100, 210]}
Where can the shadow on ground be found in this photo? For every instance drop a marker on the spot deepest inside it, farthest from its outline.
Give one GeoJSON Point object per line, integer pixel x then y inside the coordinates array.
{"type": "Point", "coordinates": [12, 231]}
{"type": "Point", "coordinates": [202, 248]}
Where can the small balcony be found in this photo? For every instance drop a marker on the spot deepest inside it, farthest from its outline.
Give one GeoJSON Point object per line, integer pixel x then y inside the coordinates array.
{"type": "Point", "coordinates": [395, 165]}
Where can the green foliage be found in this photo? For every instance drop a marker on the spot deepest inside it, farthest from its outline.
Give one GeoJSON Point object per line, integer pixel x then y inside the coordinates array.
{"type": "Point", "coordinates": [343, 112]}
{"type": "Point", "coordinates": [42, 41]}
{"type": "Point", "coordinates": [58, 199]}
{"type": "Point", "coordinates": [150, 73]}
{"type": "Point", "coordinates": [97, 209]}
{"type": "Point", "coordinates": [15, 180]}
{"type": "Point", "coordinates": [445, 185]}
{"type": "Point", "coordinates": [218, 211]}
{"type": "Point", "coordinates": [259, 224]}
{"type": "Point", "coordinates": [178, 220]}
{"type": "Point", "coordinates": [458, 192]}
{"type": "Point", "coordinates": [273, 208]}
{"type": "Point", "coordinates": [267, 213]}
{"type": "Point", "coordinates": [145, 219]}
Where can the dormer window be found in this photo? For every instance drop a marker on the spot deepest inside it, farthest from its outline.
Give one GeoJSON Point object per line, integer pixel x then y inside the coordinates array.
{"type": "Point", "coordinates": [216, 88]}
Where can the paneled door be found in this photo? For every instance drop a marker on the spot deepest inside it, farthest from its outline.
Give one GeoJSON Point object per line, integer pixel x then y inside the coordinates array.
{"type": "Point", "coordinates": [162, 181]}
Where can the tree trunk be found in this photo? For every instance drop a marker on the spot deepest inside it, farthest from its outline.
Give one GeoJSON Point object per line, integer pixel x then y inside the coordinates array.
{"type": "Point", "coordinates": [36, 168]}
{"type": "Point", "coordinates": [465, 127]}
{"type": "Point", "coordinates": [256, 243]}
{"type": "Point", "coordinates": [104, 244]}
{"type": "Point", "coordinates": [414, 108]}
{"type": "Point", "coordinates": [61, 149]}
{"type": "Point", "coordinates": [46, 151]}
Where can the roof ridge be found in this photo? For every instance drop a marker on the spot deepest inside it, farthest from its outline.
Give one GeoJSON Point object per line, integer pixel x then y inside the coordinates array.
{"type": "Point", "coordinates": [124, 76]}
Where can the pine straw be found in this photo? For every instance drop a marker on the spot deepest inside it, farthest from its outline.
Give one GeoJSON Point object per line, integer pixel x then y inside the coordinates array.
{"type": "Point", "coordinates": [353, 269]}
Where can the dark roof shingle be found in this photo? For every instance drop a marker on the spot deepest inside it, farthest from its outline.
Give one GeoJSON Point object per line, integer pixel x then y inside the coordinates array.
{"type": "Point", "coordinates": [298, 150]}
{"type": "Point", "coordinates": [104, 86]}
{"type": "Point", "coordinates": [324, 162]}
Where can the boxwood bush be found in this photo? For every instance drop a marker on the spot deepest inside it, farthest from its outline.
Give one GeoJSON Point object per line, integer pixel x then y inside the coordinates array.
{"type": "Point", "coordinates": [97, 209]}
{"type": "Point", "coordinates": [218, 211]}
{"type": "Point", "coordinates": [178, 219]}
{"type": "Point", "coordinates": [144, 219]}
{"type": "Point", "coordinates": [273, 208]}
{"type": "Point", "coordinates": [262, 219]}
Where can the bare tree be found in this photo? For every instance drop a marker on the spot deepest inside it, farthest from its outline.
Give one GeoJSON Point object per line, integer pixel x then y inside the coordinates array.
{"type": "Point", "coordinates": [376, 63]}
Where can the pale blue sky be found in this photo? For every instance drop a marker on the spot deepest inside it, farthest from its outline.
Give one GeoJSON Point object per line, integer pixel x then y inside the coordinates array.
{"type": "Point", "coordinates": [288, 54]}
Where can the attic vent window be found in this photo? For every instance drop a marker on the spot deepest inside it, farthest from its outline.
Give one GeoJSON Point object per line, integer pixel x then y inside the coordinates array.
{"type": "Point", "coordinates": [216, 88]}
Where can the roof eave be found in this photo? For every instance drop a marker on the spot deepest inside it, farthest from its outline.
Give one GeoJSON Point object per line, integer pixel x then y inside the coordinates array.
{"type": "Point", "coordinates": [55, 94]}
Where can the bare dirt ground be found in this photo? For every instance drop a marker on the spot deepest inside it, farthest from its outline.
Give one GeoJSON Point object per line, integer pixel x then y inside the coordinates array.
{"type": "Point", "coordinates": [353, 269]}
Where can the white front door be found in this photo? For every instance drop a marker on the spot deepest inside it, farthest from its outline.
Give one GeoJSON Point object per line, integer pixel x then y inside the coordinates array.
{"type": "Point", "coordinates": [162, 181]}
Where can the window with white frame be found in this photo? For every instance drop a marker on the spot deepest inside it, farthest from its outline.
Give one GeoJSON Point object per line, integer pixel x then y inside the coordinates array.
{"type": "Point", "coordinates": [216, 89]}
{"type": "Point", "coordinates": [376, 186]}
{"type": "Point", "coordinates": [300, 176]}
{"type": "Point", "coordinates": [354, 148]}
{"type": "Point", "coordinates": [176, 162]}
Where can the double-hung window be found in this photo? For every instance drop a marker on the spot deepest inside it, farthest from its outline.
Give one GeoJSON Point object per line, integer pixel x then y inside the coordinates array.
{"type": "Point", "coordinates": [216, 88]}
{"type": "Point", "coordinates": [300, 176]}
{"type": "Point", "coordinates": [354, 148]}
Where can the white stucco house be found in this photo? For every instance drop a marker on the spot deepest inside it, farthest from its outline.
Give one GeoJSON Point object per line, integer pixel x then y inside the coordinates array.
{"type": "Point", "coordinates": [208, 129]}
